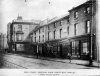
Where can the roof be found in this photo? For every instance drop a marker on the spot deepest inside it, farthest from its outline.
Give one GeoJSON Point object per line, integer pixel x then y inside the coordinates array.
{"type": "Point", "coordinates": [51, 21]}
{"type": "Point", "coordinates": [24, 22]}
{"type": "Point", "coordinates": [86, 3]}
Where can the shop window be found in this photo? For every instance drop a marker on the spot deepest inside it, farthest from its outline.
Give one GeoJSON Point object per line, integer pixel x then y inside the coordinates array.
{"type": "Point", "coordinates": [73, 48]}
{"type": "Point", "coordinates": [85, 48]}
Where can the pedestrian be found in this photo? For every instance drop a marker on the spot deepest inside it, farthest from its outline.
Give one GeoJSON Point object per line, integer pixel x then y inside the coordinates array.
{"type": "Point", "coordinates": [69, 56]}
{"type": "Point", "coordinates": [37, 55]}
{"type": "Point", "coordinates": [89, 59]}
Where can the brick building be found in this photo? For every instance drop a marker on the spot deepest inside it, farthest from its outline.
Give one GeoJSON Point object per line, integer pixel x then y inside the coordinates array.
{"type": "Point", "coordinates": [83, 30]}
{"type": "Point", "coordinates": [72, 34]}
{"type": "Point", "coordinates": [18, 32]}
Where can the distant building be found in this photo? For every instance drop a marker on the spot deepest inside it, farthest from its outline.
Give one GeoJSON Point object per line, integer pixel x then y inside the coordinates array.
{"type": "Point", "coordinates": [3, 42]}
{"type": "Point", "coordinates": [18, 33]}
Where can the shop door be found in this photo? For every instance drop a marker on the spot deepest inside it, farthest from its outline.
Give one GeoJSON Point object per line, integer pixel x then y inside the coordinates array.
{"type": "Point", "coordinates": [75, 49]}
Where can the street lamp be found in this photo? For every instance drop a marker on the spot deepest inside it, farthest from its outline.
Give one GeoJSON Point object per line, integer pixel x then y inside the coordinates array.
{"type": "Point", "coordinates": [91, 38]}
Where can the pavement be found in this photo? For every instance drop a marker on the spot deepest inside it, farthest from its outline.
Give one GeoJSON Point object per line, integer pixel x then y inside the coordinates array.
{"type": "Point", "coordinates": [73, 61]}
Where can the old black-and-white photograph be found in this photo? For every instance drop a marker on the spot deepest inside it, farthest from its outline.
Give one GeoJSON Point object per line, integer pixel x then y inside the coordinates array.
{"type": "Point", "coordinates": [49, 34]}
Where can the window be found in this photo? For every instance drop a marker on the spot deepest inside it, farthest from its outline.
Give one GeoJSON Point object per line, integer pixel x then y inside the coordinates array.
{"type": "Point", "coordinates": [68, 30]}
{"type": "Point", "coordinates": [74, 29]}
{"type": "Point", "coordinates": [60, 33]}
{"type": "Point", "coordinates": [48, 35]}
{"type": "Point", "coordinates": [35, 39]}
{"type": "Point", "coordinates": [76, 15]}
{"type": "Point", "coordinates": [43, 29]}
{"type": "Point", "coordinates": [73, 48]}
{"type": "Point", "coordinates": [68, 19]}
{"type": "Point", "coordinates": [54, 34]}
{"type": "Point", "coordinates": [39, 31]}
{"type": "Point", "coordinates": [88, 10]}
{"type": "Point", "coordinates": [48, 28]}
{"type": "Point", "coordinates": [35, 36]}
{"type": "Point", "coordinates": [88, 26]}
{"type": "Point", "coordinates": [20, 27]}
{"type": "Point", "coordinates": [39, 38]}
{"type": "Point", "coordinates": [85, 48]}
{"type": "Point", "coordinates": [43, 38]}
{"type": "Point", "coordinates": [60, 23]}
{"type": "Point", "coordinates": [54, 25]}
{"type": "Point", "coordinates": [19, 37]}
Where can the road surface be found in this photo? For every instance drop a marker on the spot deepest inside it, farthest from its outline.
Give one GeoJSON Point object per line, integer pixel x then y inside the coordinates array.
{"type": "Point", "coordinates": [15, 61]}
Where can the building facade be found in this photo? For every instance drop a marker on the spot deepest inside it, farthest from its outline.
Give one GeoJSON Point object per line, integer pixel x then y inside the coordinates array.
{"type": "Point", "coordinates": [3, 42]}
{"type": "Point", "coordinates": [83, 30]}
{"type": "Point", "coordinates": [71, 34]}
{"type": "Point", "coordinates": [19, 34]}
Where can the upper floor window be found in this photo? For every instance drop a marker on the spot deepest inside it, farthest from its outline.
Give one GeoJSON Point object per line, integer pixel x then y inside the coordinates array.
{"type": "Point", "coordinates": [35, 34]}
{"type": "Point", "coordinates": [68, 30]}
{"type": "Point", "coordinates": [43, 38]}
{"type": "Point", "coordinates": [60, 23]}
{"type": "Point", "coordinates": [19, 37]}
{"type": "Point", "coordinates": [54, 34]}
{"type": "Point", "coordinates": [88, 10]}
{"type": "Point", "coordinates": [43, 29]}
{"type": "Point", "coordinates": [39, 38]}
{"type": "Point", "coordinates": [48, 35]}
{"type": "Point", "coordinates": [54, 25]}
{"type": "Point", "coordinates": [35, 39]}
{"type": "Point", "coordinates": [20, 27]}
{"type": "Point", "coordinates": [39, 31]}
{"type": "Point", "coordinates": [60, 33]}
{"type": "Point", "coordinates": [75, 29]}
{"type": "Point", "coordinates": [76, 14]}
{"type": "Point", "coordinates": [68, 20]}
{"type": "Point", "coordinates": [48, 27]}
{"type": "Point", "coordinates": [87, 26]}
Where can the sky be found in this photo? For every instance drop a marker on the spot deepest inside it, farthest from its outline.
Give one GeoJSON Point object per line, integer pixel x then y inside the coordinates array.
{"type": "Point", "coordinates": [33, 9]}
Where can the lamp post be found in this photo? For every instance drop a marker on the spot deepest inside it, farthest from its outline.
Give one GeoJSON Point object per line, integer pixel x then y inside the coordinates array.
{"type": "Point", "coordinates": [91, 39]}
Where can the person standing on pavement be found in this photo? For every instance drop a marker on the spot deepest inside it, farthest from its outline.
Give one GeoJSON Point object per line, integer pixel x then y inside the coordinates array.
{"type": "Point", "coordinates": [69, 56]}
{"type": "Point", "coordinates": [37, 51]}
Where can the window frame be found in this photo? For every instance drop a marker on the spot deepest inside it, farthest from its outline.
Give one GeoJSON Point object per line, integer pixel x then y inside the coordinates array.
{"type": "Point", "coordinates": [87, 26]}
{"type": "Point", "coordinates": [76, 14]}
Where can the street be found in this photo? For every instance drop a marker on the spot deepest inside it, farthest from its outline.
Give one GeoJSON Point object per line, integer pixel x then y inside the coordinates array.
{"type": "Point", "coordinates": [15, 61]}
